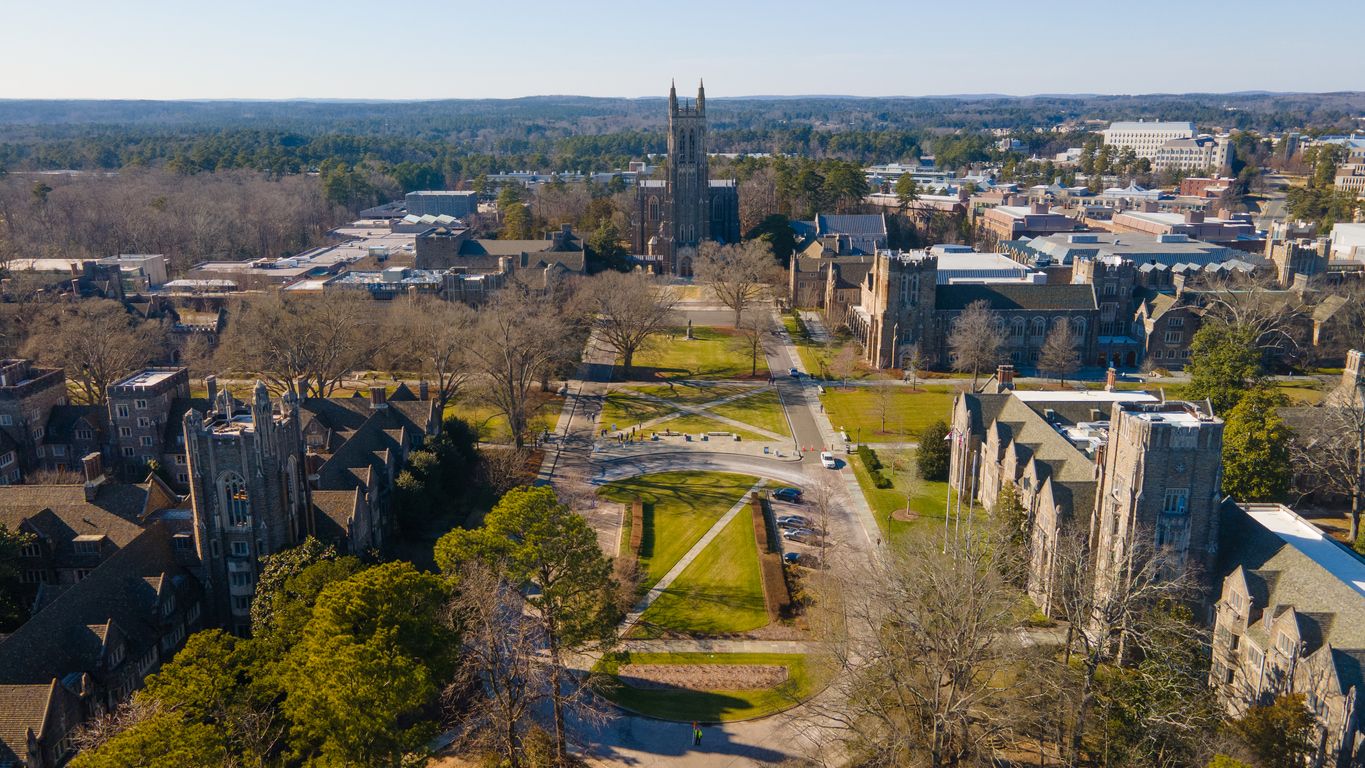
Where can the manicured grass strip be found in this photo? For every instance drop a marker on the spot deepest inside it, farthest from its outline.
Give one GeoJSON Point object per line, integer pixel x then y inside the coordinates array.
{"type": "Point", "coordinates": [806, 675]}
{"type": "Point", "coordinates": [625, 409]}
{"type": "Point", "coordinates": [858, 410]}
{"type": "Point", "coordinates": [712, 353]}
{"type": "Point", "coordinates": [692, 392]}
{"type": "Point", "coordinates": [694, 425]}
{"type": "Point", "coordinates": [721, 592]}
{"type": "Point", "coordinates": [492, 426]}
{"type": "Point", "coordinates": [680, 507]}
{"type": "Point", "coordinates": [926, 498]}
{"type": "Point", "coordinates": [763, 410]}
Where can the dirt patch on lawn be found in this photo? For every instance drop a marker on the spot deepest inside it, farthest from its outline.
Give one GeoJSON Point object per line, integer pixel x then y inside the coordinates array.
{"type": "Point", "coordinates": [702, 677]}
{"type": "Point", "coordinates": [905, 516]}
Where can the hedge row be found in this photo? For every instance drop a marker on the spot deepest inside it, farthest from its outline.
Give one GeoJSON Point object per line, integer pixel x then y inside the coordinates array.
{"type": "Point", "coordinates": [874, 466]}
{"type": "Point", "coordinates": [637, 525]}
{"type": "Point", "coordinates": [776, 595]}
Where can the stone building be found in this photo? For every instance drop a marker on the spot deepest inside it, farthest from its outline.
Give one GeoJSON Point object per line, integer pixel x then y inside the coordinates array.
{"type": "Point", "coordinates": [903, 304]}
{"type": "Point", "coordinates": [677, 214]}
{"type": "Point", "coordinates": [249, 493]}
{"type": "Point", "coordinates": [1290, 618]}
{"type": "Point", "coordinates": [28, 394]}
{"type": "Point", "coordinates": [1160, 491]}
{"type": "Point", "coordinates": [139, 409]}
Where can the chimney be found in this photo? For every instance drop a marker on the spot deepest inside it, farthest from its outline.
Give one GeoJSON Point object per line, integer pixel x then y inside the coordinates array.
{"type": "Point", "coordinates": [423, 390]}
{"type": "Point", "coordinates": [1194, 217]}
{"type": "Point", "coordinates": [211, 384]}
{"type": "Point", "coordinates": [1149, 206]}
{"type": "Point", "coordinates": [93, 467]}
{"type": "Point", "coordinates": [1038, 207]}
{"type": "Point", "coordinates": [1004, 375]}
{"type": "Point", "coordinates": [1110, 377]}
{"type": "Point", "coordinates": [378, 398]}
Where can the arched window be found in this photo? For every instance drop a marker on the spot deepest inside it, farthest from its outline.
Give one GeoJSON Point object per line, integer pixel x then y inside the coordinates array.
{"type": "Point", "coordinates": [1039, 328]}
{"type": "Point", "coordinates": [233, 498]}
{"type": "Point", "coordinates": [1017, 327]}
{"type": "Point", "coordinates": [1078, 329]}
{"type": "Point", "coordinates": [653, 208]}
{"type": "Point", "coordinates": [692, 145]}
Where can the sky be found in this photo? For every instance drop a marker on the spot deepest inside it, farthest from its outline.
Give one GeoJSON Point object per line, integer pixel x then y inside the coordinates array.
{"type": "Point", "coordinates": [370, 49]}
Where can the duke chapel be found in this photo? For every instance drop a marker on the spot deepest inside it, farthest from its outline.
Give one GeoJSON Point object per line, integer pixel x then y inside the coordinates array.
{"type": "Point", "coordinates": [679, 212]}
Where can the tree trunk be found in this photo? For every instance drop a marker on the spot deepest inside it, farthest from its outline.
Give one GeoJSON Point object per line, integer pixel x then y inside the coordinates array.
{"type": "Point", "coordinates": [557, 700]}
{"type": "Point", "coordinates": [627, 358]}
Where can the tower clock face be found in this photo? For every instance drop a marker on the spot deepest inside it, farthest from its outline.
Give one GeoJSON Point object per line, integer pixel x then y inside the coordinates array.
{"type": "Point", "coordinates": [1180, 466]}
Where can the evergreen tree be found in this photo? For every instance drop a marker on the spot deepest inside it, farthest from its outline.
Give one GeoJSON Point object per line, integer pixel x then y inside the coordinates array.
{"type": "Point", "coordinates": [1256, 464]}
{"type": "Point", "coordinates": [1225, 363]}
{"type": "Point", "coordinates": [934, 452]}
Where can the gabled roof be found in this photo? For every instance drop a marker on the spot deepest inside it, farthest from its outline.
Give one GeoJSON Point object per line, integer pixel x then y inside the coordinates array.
{"type": "Point", "coordinates": [23, 707]}
{"type": "Point", "coordinates": [1008, 297]}
{"type": "Point", "coordinates": [58, 640]}
{"type": "Point", "coordinates": [62, 421]}
{"type": "Point", "coordinates": [60, 513]}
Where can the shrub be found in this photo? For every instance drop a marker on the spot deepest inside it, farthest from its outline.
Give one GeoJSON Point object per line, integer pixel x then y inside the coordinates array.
{"type": "Point", "coordinates": [934, 452]}
{"type": "Point", "coordinates": [869, 458]}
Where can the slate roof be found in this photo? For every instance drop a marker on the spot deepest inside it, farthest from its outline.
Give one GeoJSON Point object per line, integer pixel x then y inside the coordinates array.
{"type": "Point", "coordinates": [865, 224]}
{"type": "Point", "coordinates": [62, 420]}
{"type": "Point", "coordinates": [58, 640]}
{"type": "Point", "coordinates": [1004, 297]}
{"type": "Point", "coordinates": [60, 513]}
{"type": "Point", "coordinates": [22, 707]}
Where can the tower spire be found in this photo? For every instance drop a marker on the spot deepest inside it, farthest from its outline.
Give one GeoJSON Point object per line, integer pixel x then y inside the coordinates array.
{"type": "Point", "coordinates": [701, 95]}
{"type": "Point", "coordinates": [672, 96]}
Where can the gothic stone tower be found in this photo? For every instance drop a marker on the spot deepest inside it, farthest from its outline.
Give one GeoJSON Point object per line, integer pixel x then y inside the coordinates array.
{"type": "Point", "coordinates": [689, 180]}
{"type": "Point", "coordinates": [248, 492]}
{"type": "Point", "coordinates": [1160, 491]}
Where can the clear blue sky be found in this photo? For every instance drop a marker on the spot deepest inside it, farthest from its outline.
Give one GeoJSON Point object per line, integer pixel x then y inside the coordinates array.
{"type": "Point", "coordinates": [183, 49]}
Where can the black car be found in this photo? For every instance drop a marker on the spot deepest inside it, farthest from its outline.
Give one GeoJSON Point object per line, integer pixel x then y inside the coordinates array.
{"type": "Point", "coordinates": [788, 494]}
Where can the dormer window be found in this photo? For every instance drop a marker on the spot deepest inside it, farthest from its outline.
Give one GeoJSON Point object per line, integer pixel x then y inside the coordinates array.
{"type": "Point", "coordinates": [88, 544]}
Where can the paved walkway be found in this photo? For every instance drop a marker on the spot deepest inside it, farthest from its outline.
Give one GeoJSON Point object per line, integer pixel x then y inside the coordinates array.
{"type": "Point", "coordinates": [664, 583]}
{"type": "Point", "coordinates": [704, 410]}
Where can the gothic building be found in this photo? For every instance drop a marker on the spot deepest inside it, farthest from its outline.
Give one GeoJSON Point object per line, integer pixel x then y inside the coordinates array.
{"type": "Point", "coordinates": [678, 213]}
{"type": "Point", "coordinates": [248, 493]}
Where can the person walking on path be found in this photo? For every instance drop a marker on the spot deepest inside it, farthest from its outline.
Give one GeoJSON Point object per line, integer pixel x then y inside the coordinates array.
{"type": "Point", "coordinates": [696, 735]}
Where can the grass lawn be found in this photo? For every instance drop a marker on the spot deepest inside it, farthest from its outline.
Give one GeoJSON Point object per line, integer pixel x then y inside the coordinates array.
{"type": "Point", "coordinates": [1300, 395]}
{"type": "Point", "coordinates": [679, 508]}
{"type": "Point", "coordinates": [762, 409]}
{"type": "Point", "coordinates": [713, 353]}
{"type": "Point", "coordinates": [492, 426]}
{"type": "Point", "coordinates": [721, 592]}
{"type": "Point", "coordinates": [693, 425]}
{"type": "Point", "coordinates": [805, 677]}
{"type": "Point", "coordinates": [926, 498]}
{"type": "Point", "coordinates": [692, 392]}
{"type": "Point", "coordinates": [858, 411]}
{"type": "Point", "coordinates": [625, 409]}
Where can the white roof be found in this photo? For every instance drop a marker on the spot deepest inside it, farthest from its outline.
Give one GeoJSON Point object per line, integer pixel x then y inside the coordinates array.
{"type": "Point", "coordinates": [1159, 126]}
{"type": "Point", "coordinates": [1311, 541]}
{"type": "Point", "coordinates": [1083, 396]}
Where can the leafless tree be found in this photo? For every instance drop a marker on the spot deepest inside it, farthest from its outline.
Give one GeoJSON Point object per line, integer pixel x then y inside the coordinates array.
{"type": "Point", "coordinates": [94, 732]}
{"type": "Point", "coordinates": [500, 664]}
{"type": "Point", "coordinates": [517, 337]}
{"type": "Point", "coordinates": [913, 361]}
{"type": "Point", "coordinates": [436, 334]}
{"type": "Point", "coordinates": [758, 197]}
{"type": "Point", "coordinates": [1328, 450]}
{"type": "Point", "coordinates": [844, 363]}
{"type": "Point", "coordinates": [503, 468]}
{"type": "Point", "coordinates": [1276, 317]}
{"type": "Point", "coordinates": [932, 661]}
{"type": "Point", "coordinates": [737, 274]}
{"type": "Point", "coordinates": [975, 340]}
{"type": "Point", "coordinates": [305, 346]}
{"type": "Point", "coordinates": [97, 341]}
{"type": "Point", "coordinates": [1059, 356]}
{"type": "Point", "coordinates": [751, 330]}
{"type": "Point", "coordinates": [630, 307]}
{"type": "Point", "coordinates": [884, 401]}
{"type": "Point", "coordinates": [1110, 616]}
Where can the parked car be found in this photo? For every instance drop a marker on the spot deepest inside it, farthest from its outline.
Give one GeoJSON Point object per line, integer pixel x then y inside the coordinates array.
{"type": "Point", "coordinates": [828, 461]}
{"type": "Point", "coordinates": [798, 534]}
{"type": "Point", "coordinates": [788, 494]}
{"type": "Point", "coordinates": [792, 558]}
{"type": "Point", "coordinates": [792, 372]}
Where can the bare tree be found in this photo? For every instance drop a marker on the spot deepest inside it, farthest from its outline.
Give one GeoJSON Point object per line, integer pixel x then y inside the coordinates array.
{"type": "Point", "coordinates": [436, 334]}
{"type": "Point", "coordinates": [751, 331]}
{"type": "Point", "coordinates": [884, 402]}
{"type": "Point", "coordinates": [97, 341]}
{"type": "Point", "coordinates": [1275, 317]}
{"type": "Point", "coordinates": [737, 274]}
{"type": "Point", "coordinates": [932, 661]}
{"type": "Point", "coordinates": [305, 346]}
{"type": "Point", "coordinates": [1112, 617]}
{"type": "Point", "coordinates": [514, 341]}
{"type": "Point", "coordinates": [1328, 451]}
{"type": "Point", "coordinates": [913, 361]}
{"type": "Point", "coordinates": [975, 340]}
{"type": "Point", "coordinates": [500, 664]}
{"type": "Point", "coordinates": [631, 307]}
{"type": "Point", "coordinates": [1059, 356]}
{"type": "Point", "coordinates": [844, 363]}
